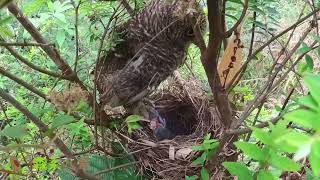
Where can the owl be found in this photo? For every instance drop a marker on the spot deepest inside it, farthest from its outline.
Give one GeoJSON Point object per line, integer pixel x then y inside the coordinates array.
{"type": "Point", "coordinates": [155, 43]}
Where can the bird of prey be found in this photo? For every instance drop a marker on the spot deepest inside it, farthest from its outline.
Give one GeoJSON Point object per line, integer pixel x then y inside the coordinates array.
{"type": "Point", "coordinates": [155, 44]}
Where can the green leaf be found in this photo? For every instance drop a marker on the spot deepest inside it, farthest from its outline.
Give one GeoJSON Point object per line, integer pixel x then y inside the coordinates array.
{"type": "Point", "coordinates": [198, 148]}
{"type": "Point", "coordinates": [62, 119]}
{"type": "Point", "coordinates": [313, 84]}
{"type": "Point", "coordinates": [60, 38]}
{"type": "Point", "coordinates": [200, 160]}
{"type": "Point", "coordinates": [204, 174]}
{"type": "Point", "coordinates": [262, 136]}
{"type": "Point", "coordinates": [236, 1]}
{"type": "Point", "coordinates": [194, 177]}
{"type": "Point", "coordinates": [83, 107]}
{"type": "Point", "coordinates": [293, 138]}
{"type": "Point", "coordinates": [15, 131]}
{"type": "Point", "coordinates": [309, 102]}
{"type": "Point", "coordinates": [302, 68]}
{"type": "Point", "coordinates": [309, 61]}
{"type": "Point", "coordinates": [33, 6]}
{"type": "Point", "coordinates": [238, 169]}
{"type": "Point", "coordinates": [61, 17]}
{"type": "Point", "coordinates": [50, 6]}
{"type": "Point", "coordinates": [251, 150]}
{"type": "Point", "coordinates": [284, 163]}
{"type": "Point", "coordinates": [208, 136]}
{"type": "Point", "coordinates": [265, 175]}
{"type": "Point", "coordinates": [304, 117]}
{"type": "Point", "coordinates": [304, 49]}
{"type": "Point", "coordinates": [310, 175]}
{"type": "Point", "coordinates": [315, 158]}
{"type": "Point", "coordinates": [5, 20]}
{"type": "Point", "coordinates": [133, 118]}
{"type": "Point", "coordinates": [133, 126]}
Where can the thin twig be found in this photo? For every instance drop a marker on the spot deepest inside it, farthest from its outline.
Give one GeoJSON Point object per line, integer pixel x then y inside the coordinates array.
{"type": "Point", "coordinates": [261, 95]}
{"type": "Point", "coordinates": [23, 44]}
{"type": "Point", "coordinates": [76, 9]}
{"type": "Point", "coordinates": [97, 74]}
{"type": "Point", "coordinates": [240, 73]}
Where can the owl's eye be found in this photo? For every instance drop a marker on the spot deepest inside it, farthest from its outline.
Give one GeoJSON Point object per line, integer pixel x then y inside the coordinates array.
{"type": "Point", "coordinates": [190, 32]}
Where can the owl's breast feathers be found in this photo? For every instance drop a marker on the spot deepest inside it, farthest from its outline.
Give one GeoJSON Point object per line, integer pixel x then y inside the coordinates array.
{"type": "Point", "coordinates": [158, 44]}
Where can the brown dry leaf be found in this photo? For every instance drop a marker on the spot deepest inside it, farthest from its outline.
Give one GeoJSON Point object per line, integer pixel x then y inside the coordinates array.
{"type": "Point", "coordinates": [231, 62]}
{"type": "Point", "coordinates": [171, 152]}
{"type": "Point", "coordinates": [15, 164]}
{"type": "Point", "coordinates": [183, 153]}
{"type": "Point", "coordinates": [69, 98]}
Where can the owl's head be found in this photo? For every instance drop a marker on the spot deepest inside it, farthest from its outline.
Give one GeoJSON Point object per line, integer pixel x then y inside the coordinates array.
{"type": "Point", "coordinates": [189, 14]}
{"type": "Point", "coordinates": [169, 21]}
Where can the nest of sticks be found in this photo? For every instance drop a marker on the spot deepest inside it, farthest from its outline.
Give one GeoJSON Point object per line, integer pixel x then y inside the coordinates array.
{"type": "Point", "coordinates": [192, 117]}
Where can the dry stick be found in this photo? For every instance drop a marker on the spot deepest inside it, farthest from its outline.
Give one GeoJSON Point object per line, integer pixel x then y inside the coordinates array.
{"type": "Point", "coordinates": [23, 44]}
{"type": "Point", "coordinates": [23, 83]}
{"type": "Point", "coordinates": [44, 128]}
{"type": "Point", "coordinates": [241, 71]}
{"type": "Point", "coordinates": [15, 54]}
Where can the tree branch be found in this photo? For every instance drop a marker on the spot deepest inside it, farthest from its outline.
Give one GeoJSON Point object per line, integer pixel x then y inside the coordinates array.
{"type": "Point", "coordinates": [51, 51]}
{"type": "Point", "coordinates": [127, 6]}
{"type": "Point", "coordinates": [32, 66]}
{"type": "Point", "coordinates": [209, 60]}
{"type": "Point", "coordinates": [23, 83]}
{"type": "Point", "coordinates": [23, 44]}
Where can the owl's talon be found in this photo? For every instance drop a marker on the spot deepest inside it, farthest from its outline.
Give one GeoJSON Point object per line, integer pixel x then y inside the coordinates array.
{"type": "Point", "coordinates": [114, 111]}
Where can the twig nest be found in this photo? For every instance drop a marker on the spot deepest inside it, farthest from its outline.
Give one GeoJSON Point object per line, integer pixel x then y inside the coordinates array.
{"type": "Point", "coordinates": [189, 116]}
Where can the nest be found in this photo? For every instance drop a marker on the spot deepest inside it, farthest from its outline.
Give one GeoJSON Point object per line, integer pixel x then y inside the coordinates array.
{"type": "Point", "coordinates": [192, 117]}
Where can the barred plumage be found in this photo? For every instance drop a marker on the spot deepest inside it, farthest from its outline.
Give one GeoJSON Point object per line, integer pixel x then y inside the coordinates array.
{"type": "Point", "coordinates": [159, 37]}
